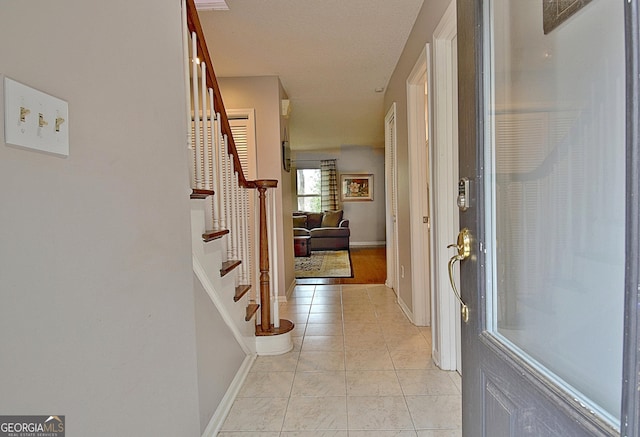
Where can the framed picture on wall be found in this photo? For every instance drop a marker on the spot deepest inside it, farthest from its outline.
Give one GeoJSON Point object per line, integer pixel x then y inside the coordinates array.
{"type": "Point", "coordinates": [356, 187]}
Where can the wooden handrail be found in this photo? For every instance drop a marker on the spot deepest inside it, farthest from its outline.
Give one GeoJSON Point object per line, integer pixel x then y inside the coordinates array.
{"type": "Point", "coordinates": [193, 22]}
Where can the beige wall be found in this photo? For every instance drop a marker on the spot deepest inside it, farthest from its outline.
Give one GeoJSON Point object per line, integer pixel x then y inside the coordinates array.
{"type": "Point", "coordinates": [96, 287]}
{"type": "Point", "coordinates": [216, 370]}
{"type": "Point", "coordinates": [421, 34]}
{"type": "Point", "coordinates": [264, 94]}
{"type": "Point", "coordinates": [287, 207]}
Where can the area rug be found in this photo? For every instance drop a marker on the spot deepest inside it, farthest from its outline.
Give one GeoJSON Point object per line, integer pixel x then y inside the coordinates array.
{"type": "Point", "coordinates": [324, 264]}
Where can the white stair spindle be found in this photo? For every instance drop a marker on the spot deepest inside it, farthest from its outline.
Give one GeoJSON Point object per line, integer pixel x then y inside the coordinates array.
{"type": "Point", "coordinates": [255, 287]}
{"type": "Point", "coordinates": [251, 238]}
{"type": "Point", "coordinates": [227, 194]}
{"type": "Point", "coordinates": [205, 129]}
{"type": "Point", "coordinates": [232, 223]}
{"type": "Point", "coordinates": [236, 216]}
{"type": "Point", "coordinates": [196, 110]}
{"type": "Point", "coordinates": [187, 85]}
{"type": "Point", "coordinates": [244, 237]}
{"type": "Point", "coordinates": [241, 228]}
{"type": "Point", "coordinates": [268, 206]}
{"type": "Point", "coordinates": [273, 265]}
{"type": "Point", "coordinates": [215, 164]}
{"type": "Point", "coordinates": [256, 255]}
{"type": "Point", "coordinates": [245, 232]}
{"type": "Point", "coordinates": [221, 174]}
{"type": "Point", "coordinates": [229, 200]}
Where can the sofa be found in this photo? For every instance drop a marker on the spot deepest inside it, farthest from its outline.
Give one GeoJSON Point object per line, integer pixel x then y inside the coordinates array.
{"type": "Point", "coordinates": [328, 230]}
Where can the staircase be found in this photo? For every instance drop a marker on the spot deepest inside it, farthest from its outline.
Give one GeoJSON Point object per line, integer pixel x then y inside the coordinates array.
{"type": "Point", "coordinates": [231, 217]}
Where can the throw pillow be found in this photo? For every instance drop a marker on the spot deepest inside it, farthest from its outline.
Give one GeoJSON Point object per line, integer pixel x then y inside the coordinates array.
{"type": "Point", "coordinates": [331, 219]}
{"type": "Point", "coordinates": [314, 220]}
{"type": "Point", "coordinates": [299, 221]}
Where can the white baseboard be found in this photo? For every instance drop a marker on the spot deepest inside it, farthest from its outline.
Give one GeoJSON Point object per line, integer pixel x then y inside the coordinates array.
{"type": "Point", "coordinates": [367, 243]}
{"type": "Point", "coordinates": [289, 291]}
{"type": "Point", "coordinates": [224, 407]}
{"type": "Point", "coordinates": [435, 357]}
{"type": "Point", "coordinates": [405, 309]}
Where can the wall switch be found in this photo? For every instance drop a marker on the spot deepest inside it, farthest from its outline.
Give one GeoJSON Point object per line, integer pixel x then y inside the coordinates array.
{"type": "Point", "coordinates": [34, 119]}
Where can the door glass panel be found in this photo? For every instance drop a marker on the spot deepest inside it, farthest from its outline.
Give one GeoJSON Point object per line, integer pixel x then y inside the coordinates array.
{"type": "Point", "coordinates": [555, 175]}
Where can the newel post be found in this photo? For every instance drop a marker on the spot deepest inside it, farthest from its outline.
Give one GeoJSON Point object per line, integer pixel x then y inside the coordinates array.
{"type": "Point", "coordinates": [265, 290]}
{"type": "Point", "coordinates": [272, 340]}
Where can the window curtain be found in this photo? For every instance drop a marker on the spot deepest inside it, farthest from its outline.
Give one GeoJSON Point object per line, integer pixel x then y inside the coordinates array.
{"type": "Point", "coordinates": [329, 185]}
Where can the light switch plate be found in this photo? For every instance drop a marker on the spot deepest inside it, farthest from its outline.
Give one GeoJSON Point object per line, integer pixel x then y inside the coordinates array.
{"type": "Point", "coordinates": [34, 119]}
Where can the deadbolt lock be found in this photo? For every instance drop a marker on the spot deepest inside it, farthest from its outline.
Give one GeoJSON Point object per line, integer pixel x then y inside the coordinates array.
{"type": "Point", "coordinates": [464, 195]}
{"type": "Point", "coordinates": [463, 244]}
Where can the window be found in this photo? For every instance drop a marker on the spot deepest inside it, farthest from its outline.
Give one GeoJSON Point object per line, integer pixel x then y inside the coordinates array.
{"type": "Point", "coordinates": [308, 189]}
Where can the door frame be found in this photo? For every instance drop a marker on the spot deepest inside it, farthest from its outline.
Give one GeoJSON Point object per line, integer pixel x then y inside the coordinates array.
{"type": "Point", "coordinates": [418, 109]}
{"type": "Point", "coordinates": [470, 57]}
{"type": "Point", "coordinates": [630, 417]}
{"type": "Point", "coordinates": [444, 222]}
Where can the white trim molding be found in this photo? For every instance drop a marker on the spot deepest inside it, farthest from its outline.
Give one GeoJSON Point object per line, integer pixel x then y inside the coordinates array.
{"type": "Point", "coordinates": [229, 397]}
{"type": "Point", "coordinates": [445, 219]}
{"type": "Point", "coordinates": [405, 309]}
{"type": "Point", "coordinates": [367, 243]}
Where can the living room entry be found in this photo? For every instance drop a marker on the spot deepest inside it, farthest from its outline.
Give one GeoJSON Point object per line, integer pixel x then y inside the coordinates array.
{"type": "Point", "coordinates": [338, 218]}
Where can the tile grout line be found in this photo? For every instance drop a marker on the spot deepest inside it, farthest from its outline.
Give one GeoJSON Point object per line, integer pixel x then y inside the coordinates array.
{"type": "Point", "coordinates": [395, 370]}
{"type": "Point", "coordinates": [344, 360]}
{"type": "Point", "coordinates": [295, 371]}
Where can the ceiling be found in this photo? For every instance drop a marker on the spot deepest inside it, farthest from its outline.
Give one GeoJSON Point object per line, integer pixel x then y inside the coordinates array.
{"type": "Point", "coordinates": [331, 57]}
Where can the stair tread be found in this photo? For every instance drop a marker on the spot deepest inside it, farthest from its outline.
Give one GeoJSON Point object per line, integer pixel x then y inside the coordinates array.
{"type": "Point", "coordinates": [201, 194]}
{"type": "Point", "coordinates": [241, 290]}
{"type": "Point", "coordinates": [252, 308]}
{"type": "Point", "coordinates": [229, 265]}
{"type": "Point", "coordinates": [214, 234]}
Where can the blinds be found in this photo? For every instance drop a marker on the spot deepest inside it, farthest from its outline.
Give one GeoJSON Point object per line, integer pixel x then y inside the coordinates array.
{"type": "Point", "coordinates": [239, 129]}
{"type": "Point", "coordinates": [391, 155]}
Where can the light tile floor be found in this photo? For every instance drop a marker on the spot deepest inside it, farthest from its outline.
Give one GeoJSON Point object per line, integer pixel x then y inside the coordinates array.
{"type": "Point", "coordinates": [359, 368]}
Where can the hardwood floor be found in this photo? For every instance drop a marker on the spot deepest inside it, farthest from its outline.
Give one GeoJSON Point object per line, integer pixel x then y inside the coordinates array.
{"type": "Point", "coordinates": [369, 266]}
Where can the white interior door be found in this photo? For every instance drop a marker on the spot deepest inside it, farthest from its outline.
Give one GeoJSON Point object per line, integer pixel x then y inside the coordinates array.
{"type": "Point", "coordinates": [419, 173]}
{"type": "Point", "coordinates": [391, 192]}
